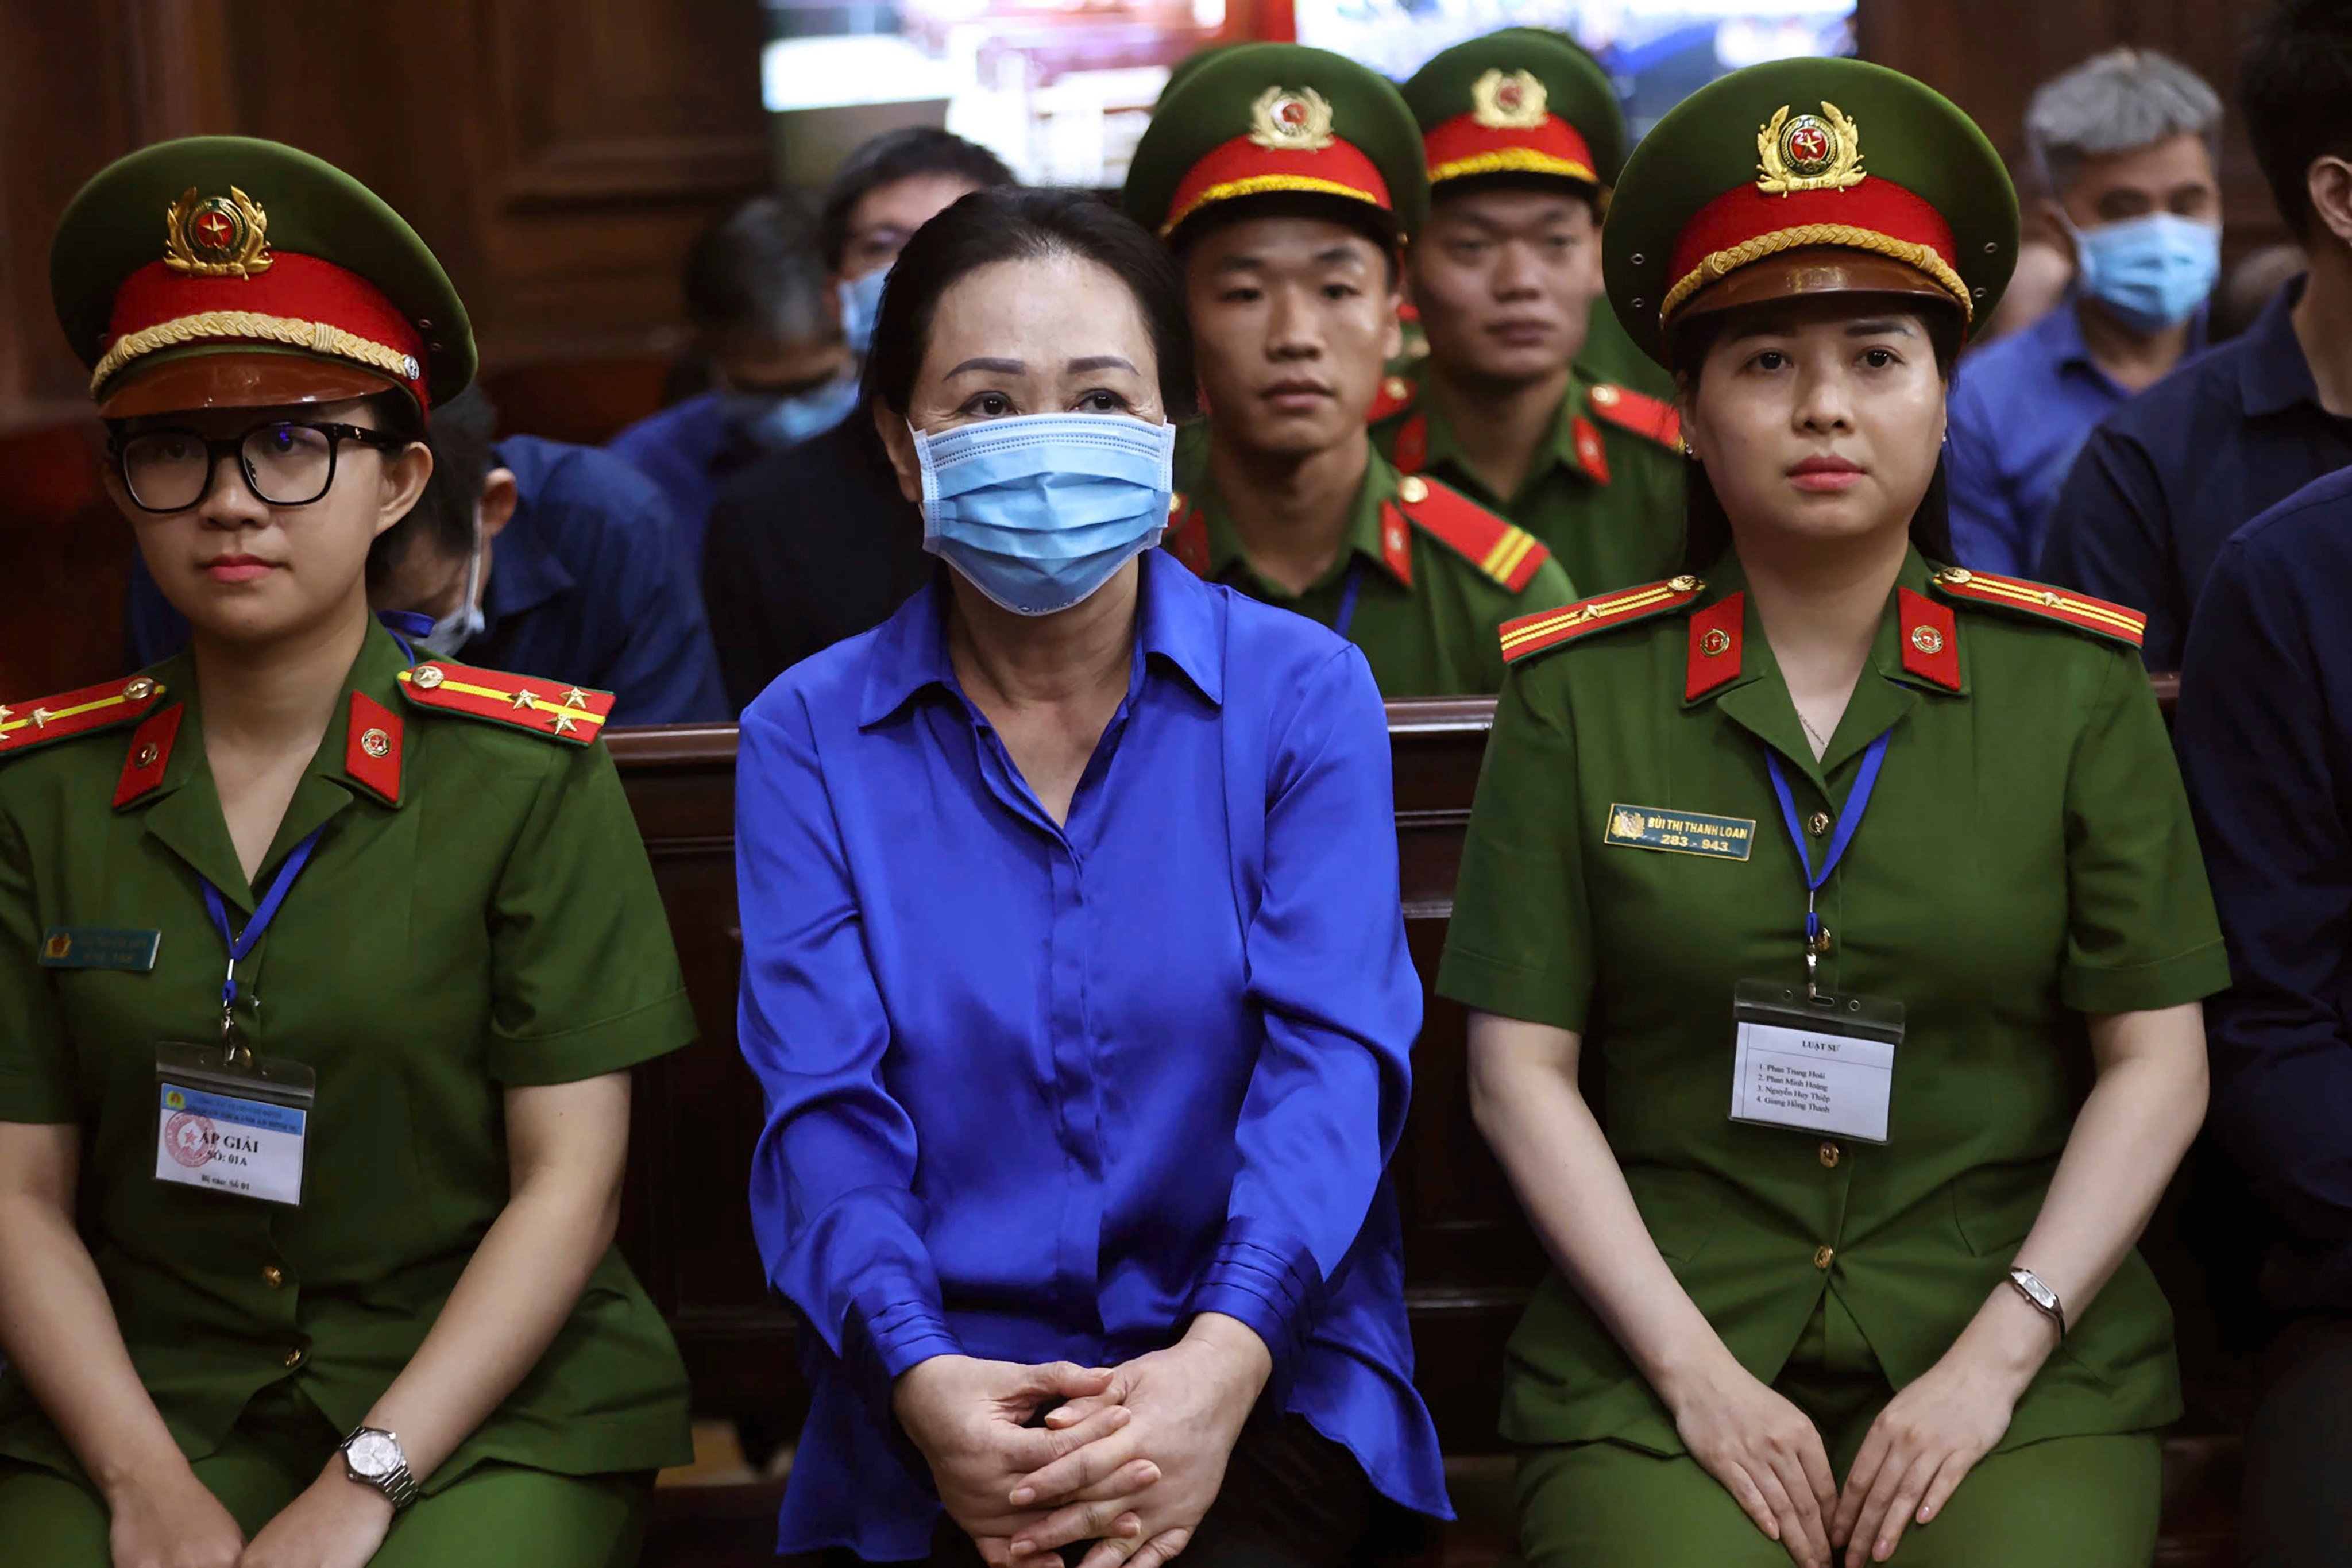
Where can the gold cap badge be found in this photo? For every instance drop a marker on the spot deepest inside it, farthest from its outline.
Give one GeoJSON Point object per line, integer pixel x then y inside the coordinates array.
{"type": "Point", "coordinates": [1285, 120]}
{"type": "Point", "coordinates": [1809, 152]}
{"type": "Point", "coordinates": [216, 237]}
{"type": "Point", "coordinates": [1510, 101]}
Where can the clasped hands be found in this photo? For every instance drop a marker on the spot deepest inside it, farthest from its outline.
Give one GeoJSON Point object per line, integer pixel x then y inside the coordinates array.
{"type": "Point", "coordinates": [1129, 1458]}
{"type": "Point", "coordinates": [172, 1521]}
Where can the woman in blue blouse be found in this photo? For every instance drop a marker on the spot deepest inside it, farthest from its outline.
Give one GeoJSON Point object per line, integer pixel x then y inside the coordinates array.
{"type": "Point", "coordinates": [1075, 975]}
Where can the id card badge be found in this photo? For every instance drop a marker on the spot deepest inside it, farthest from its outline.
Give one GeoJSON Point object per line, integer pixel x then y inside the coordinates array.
{"type": "Point", "coordinates": [1818, 1064]}
{"type": "Point", "coordinates": [230, 1122]}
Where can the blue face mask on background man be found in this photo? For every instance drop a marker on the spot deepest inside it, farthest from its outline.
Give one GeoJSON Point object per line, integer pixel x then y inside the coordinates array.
{"type": "Point", "coordinates": [774, 423]}
{"type": "Point", "coordinates": [2153, 272]}
{"type": "Point", "coordinates": [861, 303]}
{"type": "Point", "coordinates": [1037, 512]}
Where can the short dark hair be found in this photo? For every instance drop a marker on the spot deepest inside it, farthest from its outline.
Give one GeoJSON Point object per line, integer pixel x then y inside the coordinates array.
{"type": "Point", "coordinates": [2294, 88]}
{"type": "Point", "coordinates": [1009, 222]}
{"type": "Point", "coordinates": [459, 433]}
{"type": "Point", "coordinates": [757, 269]}
{"type": "Point", "coordinates": [893, 156]}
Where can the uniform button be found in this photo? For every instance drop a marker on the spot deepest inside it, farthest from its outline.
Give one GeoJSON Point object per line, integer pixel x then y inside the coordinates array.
{"type": "Point", "coordinates": [294, 1356]}
{"type": "Point", "coordinates": [1818, 824]}
{"type": "Point", "coordinates": [1822, 1258]}
{"type": "Point", "coordinates": [273, 1276]}
{"type": "Point", "coordinates": [1828, 1156]}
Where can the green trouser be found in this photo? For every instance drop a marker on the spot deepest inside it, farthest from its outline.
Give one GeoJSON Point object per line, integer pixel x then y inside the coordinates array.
{"type": "Point", "coordinates": [504, 1514]}
{"type": "Point", "coordinates": [2065, 1502]}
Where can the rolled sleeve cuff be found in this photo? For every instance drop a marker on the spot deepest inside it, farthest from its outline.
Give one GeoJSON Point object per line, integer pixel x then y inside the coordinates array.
{"type": "Point", "coordinates": [2194, 976]}
{"type": "Point", "coordinates": [1273, 1286]}
{"type": "Point", "coordinates": [887, 1333]}
{"type": "Point", "coordinates": [1508, 991]}
{"type": "Point", "coordinates": [594, 1049]}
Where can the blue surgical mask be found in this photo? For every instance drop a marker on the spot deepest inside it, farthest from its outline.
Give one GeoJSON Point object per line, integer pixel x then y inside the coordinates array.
{"type": "Point", "coordinates": [775, 422]}
{"type": "Point", "coordinates": [861, 304]}
{"type": "Point", "coordinates": [1038, 511]}
{"type": "Point", "coordinates": [2153, 272]}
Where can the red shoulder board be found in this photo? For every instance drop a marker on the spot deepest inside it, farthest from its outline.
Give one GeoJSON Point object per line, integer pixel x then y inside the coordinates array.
{"type": "Point", "coordinates": [1505, 552]}
{"type": "Point", "coordinates": [1639, 412]}
{"type": "Point", "coordinates": [1397, 393]}
{"type": "Point", "coordinates": [2077, 610]}
{"type": "Point", "coordinates": [1550, 628]}
{"type": "Point", "coordinates": [524, 702]}
{"type": "Point", "coordinates": [1187, 538]}
{"type": "Point", "coordinates": [27, 726]}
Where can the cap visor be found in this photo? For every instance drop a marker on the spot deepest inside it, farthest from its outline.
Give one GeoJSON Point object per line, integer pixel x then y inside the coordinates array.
{"type": "Point", "coordinates": [1811, 270]}
{"type": "Point", "coordinates": [235, 378]}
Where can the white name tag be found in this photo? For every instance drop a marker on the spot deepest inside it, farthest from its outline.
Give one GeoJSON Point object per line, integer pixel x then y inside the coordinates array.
{"type": "Point", "coordinates": [227, 1144]}
{"type": "Point", "coordinates": [1812, 1081]}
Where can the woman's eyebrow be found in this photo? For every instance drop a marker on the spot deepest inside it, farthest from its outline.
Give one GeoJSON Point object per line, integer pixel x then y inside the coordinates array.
{"type": "Point", "coordinates": [1888, 326]}
{"type": "Point", "coordinates": [1092, 363]}
{"type": "Point", "coordinates": [999, 366]}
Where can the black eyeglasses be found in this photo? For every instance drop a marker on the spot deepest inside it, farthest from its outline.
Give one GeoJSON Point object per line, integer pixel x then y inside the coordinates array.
{"type": "Point", "coordinates": [284, 463]}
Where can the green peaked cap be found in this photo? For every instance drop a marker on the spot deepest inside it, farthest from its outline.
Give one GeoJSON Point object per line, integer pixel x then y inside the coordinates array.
{"type": "Point", "coordinates": [130, 217]}
{"type": "Point", "coordinates": [1877, 134]}
{"type": "Point", "coordinates": [1575, 89]}
{"type": "Point", "coordinates": [1218, 100]}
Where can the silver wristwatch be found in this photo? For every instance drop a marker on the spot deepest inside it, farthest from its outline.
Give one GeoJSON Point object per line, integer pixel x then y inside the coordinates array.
{"type": "Point", "coordinates": [2045, 1300]}
{"type": "Point", "coordinates": [374, 1459]}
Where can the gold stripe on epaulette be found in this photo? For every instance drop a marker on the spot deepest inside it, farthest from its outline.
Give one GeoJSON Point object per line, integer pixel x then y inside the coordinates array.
{"type": "Point", "coordinates": [521, 702]}
{"type": "Point", "coordinates": [42, 718]}
{"type": "Point", "coordinates": [2050, 599]}
{"type": "Point", "coordinates": [1589, 611]}
{"type": "Point", "coordinates": [1505, 558]}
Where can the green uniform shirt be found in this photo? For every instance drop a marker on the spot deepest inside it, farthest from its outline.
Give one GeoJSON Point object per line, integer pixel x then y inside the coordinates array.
{"type": "Point", "coordinates": [1428, 630]}
{"type": "Point", "coordinates": [497, 927]}
{"type": "Point", "coordinates": [2027, 857]}
{"type": "Point", "coordinates": [1611, 522]}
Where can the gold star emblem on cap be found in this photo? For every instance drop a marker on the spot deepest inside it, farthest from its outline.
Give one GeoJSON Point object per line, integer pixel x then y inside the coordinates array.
{"type": "Point", "coordinates": [1809, 152]}
{"type": "Point", "coordinates": [1509, 100]}
{"type": "Point", "coordinates": [1288, 119]}
{"type": "Point", "coordinates": [216, 237]}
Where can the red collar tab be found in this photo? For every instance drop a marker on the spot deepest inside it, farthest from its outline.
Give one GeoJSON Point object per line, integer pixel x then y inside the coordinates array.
{"type": "Point", "coordinates": [1188, 538]}
{"type": "Point", "coordinates": [1530, 634]}
{"type": "Point", "coordinates": [1463, 146]}
{"type": "Point", "coordinates": [2078, 610]}
{"type": "Point", "coordinates": [1651, 418]}
{"type": "Point", "coordinates": [27, 726]}
{"type": "Point", "coordinates": [1412, 444]}
{"type": "Point", "coordinates": [1397, 393]}
{"type": "Point", "coordinates": [1245, 166]}
{"type": "Point", "coordinates": [1396, 541]}
{"type": "Point", "coordinates": [1714, 646]}
{"type": "Point", "coordinates": [150, 754]}
{"type": "Point", "coordinates": [1931, 638]}
{"type": "Point", "coordinates": [570, 713]}
{"type": "Point", "coordinates": [372, 750]}
{"type": "Point", "coordinates": [1505, 552]}
{"type": "Point", "coordinates": [1590, 455]}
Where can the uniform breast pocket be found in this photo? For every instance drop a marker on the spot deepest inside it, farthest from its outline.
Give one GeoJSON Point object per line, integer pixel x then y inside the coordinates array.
{"type": "Point", "coordinates": [1681, 1208]}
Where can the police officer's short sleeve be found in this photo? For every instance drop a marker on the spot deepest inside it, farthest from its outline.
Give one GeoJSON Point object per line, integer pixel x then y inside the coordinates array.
{"type": "Point", "coordinates": [1520, 944]}
{"type": "Point", "coordinates": [2141, 932]}
{"type": "Point", "coordinates": [37, 1076]}
{"type": "Point", "coordinates": [584, 976]}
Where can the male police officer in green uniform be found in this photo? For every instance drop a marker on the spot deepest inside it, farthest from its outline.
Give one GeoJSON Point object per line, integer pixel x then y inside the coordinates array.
{"type": "Point", "coordinates": [1285, 178]}
{"type": "Point", "coordinates": [321, 969]}
{"type": "Point", "coordinates": [1522, 136]}
{"type": "Point", "coordinates": [1838, 859]}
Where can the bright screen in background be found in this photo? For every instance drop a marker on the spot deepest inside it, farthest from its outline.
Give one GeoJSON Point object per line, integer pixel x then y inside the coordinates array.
{"type": "Point", "coordinates": [1658, 52]}
{"type": "Point", "coordinates": [1061, 90]}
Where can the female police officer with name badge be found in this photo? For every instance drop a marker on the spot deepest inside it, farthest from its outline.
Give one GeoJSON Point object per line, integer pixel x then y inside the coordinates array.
{"type": "Point", "coordinates": [1836, 856]}
{"type": "Point", "coordinates": [321, 969]}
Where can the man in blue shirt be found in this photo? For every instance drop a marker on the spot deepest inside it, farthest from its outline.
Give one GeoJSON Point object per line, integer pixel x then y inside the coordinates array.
{"type": "Point", "coordinates": [531, 556]}
{"type": "Point", "coordinates": [2128, 142]}
{"type": "Point", "coordinates": [2264, 733]}
{"type": "Point", "coordinates": [2177, 470]}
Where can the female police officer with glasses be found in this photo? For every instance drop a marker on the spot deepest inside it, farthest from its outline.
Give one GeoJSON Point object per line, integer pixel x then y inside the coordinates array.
{"type": "Point", "coordinates": [320, 968]}
{"type": "Point", "coordinates": [1836, 856]}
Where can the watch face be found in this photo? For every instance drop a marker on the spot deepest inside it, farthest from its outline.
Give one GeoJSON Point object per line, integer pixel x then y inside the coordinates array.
{"type": "Point", "coordinates": [373, 1454]}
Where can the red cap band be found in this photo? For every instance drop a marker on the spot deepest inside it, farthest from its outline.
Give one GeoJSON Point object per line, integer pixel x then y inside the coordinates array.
{"type": "Point", "coordinates": [1744, 225]}
{"type": "Point", "coordinates": [1243, 168]}
{"type": "Point", "coordinates": [1462, 147]}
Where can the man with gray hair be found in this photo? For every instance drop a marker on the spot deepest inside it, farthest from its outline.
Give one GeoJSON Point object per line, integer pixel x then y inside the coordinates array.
{"type": "Point", "coordinates": [2126, 146]}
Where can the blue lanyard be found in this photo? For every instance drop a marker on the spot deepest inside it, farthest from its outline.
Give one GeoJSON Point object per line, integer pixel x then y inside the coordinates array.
{"type": "Point", "coordinates": [1857, 801]}
{"type": "Point", "coordinates": [1346, 616]}
{"type": "Point", "coordinates": [403, 625]}
{"type": "Point", "coordinates": [244, 943]}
